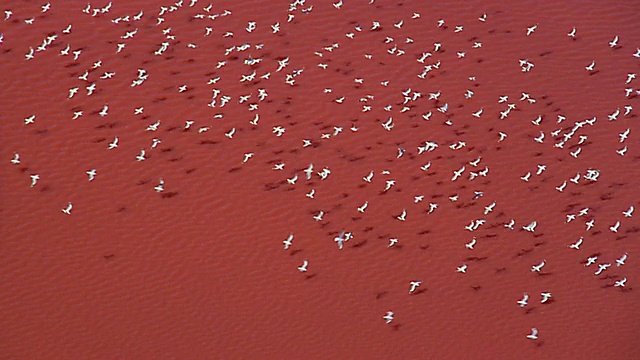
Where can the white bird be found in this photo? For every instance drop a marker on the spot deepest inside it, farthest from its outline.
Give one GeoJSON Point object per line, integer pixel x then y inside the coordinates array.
{"type": "Point", "coordinates": [624, 135]}
{"type": "Point", "coordinates": [523, 302]}
{"type": "Point", "coordinates": [363, 207]}
{"type": "Point", "coordinates": [457, 174]}
{"type": "Point", "coordinates": [389, 184]}
{"type": "Point", "coordinates": [489, 208]}
{"type": "Point", "coordinates": [368, 177]}
{"type": "Point", "coordinates": [526, 176]}
{"type": "Point", "coordinates": [311, 193]}
{"type": "Point", "coordinates": [537, 268]}
{"type": "Point", "coordinates": [572, 33]}
{"type": "Point", "coordinates": [591, 261]}
{"type": "Point", "coordinates": [601, 268]}
{"type": "Point", "coordinates": [622, 151]}
{"type": "Point", "coordinates": [403, 216]}
{"type": "Point", "coordinates": [114, 144]}
{"type": "Point", "coordinates": [577, 244]}
{"type": "Point", "coordinates": [160, 186]}
{"type": "Point", "coordinates": [477, 113]}
{"type": "Point", "coordinates": [392, 242]}
{"type": "Point", "coordinates": [531, 29]}
{"type": "Point", "coordinates": [531, 227]}
{"type": "Point", "coordinates": [533, 335]}
{"type": "Point", "coordinates": [92, 174]}
{"type": "Point", "coordinates": [319, 216]}
{"type": "Point", "coordinates": [576, 153]}
{"type": "Point", "coordinates": [471, 244]}
{"type": "Point", "coordinates": [462, 268]}
{"type": "Point", "coordinates": [629, 212]}
{"type": "Point", "coordinates": [141, 156]}
{"type": "Point", "coordinates": [510, 224]}
{"type": "Point", "coordinates": [388, 317]}
{"type": "Point", "coordinates": [287, 241]}
{"type": "Point", "coordinates": [417, 199]}
{"type": "Point", "coordinates": [230, 133]}
{"type": "Point", "coordinates": [293, 180]}
{"type": "Point", "coordinates": [589, 224]}
{"type": "Point", "coordinates": [620, 283]}
{"type": "Point", "coordinates": [623, 258]}
{"type": "Point", "coordinates": [615, 227]}
{"type": "Point", "coordinates": [67, 210]}
{"type": "Point", "coordinates": [590, 66]}
{"type": "Point", "coordinates": [414, 285]}
{"type": "Point", "coordinates": [614, 42]}
{"type": "Point", "coordinates": [545, 297]}
{"type": "Point", "coordinates": [561, 187]}
{"type": "Point", "coordinates": [16, 159]}
{"type": "Point", "coordinates": [34, 179]}
{"type": "Point", "coordinates": [303, 267]}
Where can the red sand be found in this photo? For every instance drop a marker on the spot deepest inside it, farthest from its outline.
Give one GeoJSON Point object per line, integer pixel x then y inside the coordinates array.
{"type": "Point", "coordinates": [199, 270]}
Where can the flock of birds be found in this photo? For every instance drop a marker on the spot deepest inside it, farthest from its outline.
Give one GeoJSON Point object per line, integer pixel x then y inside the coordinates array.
{"type": "Point", "coordinates": [430, 58]}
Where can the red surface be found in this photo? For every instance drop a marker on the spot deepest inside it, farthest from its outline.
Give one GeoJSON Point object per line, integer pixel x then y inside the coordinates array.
{"type": "Point", "coordinates": [203, 274]}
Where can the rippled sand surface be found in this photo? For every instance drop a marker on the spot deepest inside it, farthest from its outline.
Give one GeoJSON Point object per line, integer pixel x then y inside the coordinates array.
{"type": "Point", "coordinates": [199, 270]}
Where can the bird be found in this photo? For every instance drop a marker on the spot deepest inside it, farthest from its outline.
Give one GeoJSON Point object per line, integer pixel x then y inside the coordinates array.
{"type": "Point", "coordinates": [629, 212]}
{"type": "Point", "coordinates": [457, 174]}
{"type": "Point", "coordinates": [293, 180]}
{"type": "Point", "coordinates": [417, 199]}
{"type": "Point", "coordinates": [368, 177]}
{"type": "Point", "coordinates": [601, 268]}
{"type": "Point", "coordinates": [403, 216]}
{"type": "Point", "coordinates": [561, 187]}
{"type": "Point", "coordinates": [303, 267]}
{"type": "Point", "coordinates": [590, 66]}
{"type": "Point", "coordinates": [622, 151]}
{"type": "Point", "coordinates": [623, 258]}
{"type": "Point", "coordinates": [247, 156]}
{"type": "Point", "coordinates": [230, 133]}
{"type": "Point", "coordinates": [319, 216]}
{"type": "Point", "coordinates": [526, 176]}
{"type": "Point", "coordinates": [462, 268]}
{"type": "Point", "coordinates": [67, 210]}
{"type": "Point", "coordinates": [92, 174]}
{"type": "Point", "coordinates": [471, 244]}
{"type": "Point", "coordinates": [311, 193]}
{"type": "Point", "coordinates": [477, 113]}
{"type": "Point", "coordinates": [363, 207]}
{"type": "Point", "coordinates": [537, 268]}
{"type": "Point", "coordinates": [531, 29]}
{"type": "Point", "coordinates": [16, 159]}
{"type": "Point", "coordinates": [388, 317]}
{"type": "Point", "coordinates": [624, 135]}
{"type": "Point", "coordinates": [340, 239]}
{"type": "Point", "coordinates": [392, 242]}
{"type": "Point", "coordinates": [613, 43]}
{"type": "Point", "coordinates": [576, 153]}
{"type": "Point", "coordinates": [589, 224]}
{"type": "Point", "coordinates": [414, 285]}
{"type": "Point", "coordinates": [287, 241]}
{"type": "Point", "coordinates": [533, 335]}
{"type": "Point", "coordinates": [577, 244]}
{"type": "Point", "coordinates": [489, 208]}
{"type": "Point", "coordinates": [114, 143]}
{"type": "Point", "coordinates": [141, 156]}
{"type": "Point", "coordinates": [620, 283]}
{"type": "Point", "coordinates": [389, 184]}
{"type": "Point", "coordinates": [591, 261]}
{"type": "Point", "coordinates": [34, 179]}
{"type": "Point", "coordinates": [510, 224]}
{"type": "Point", "coordinates": [572, 33]}
{"type": "Point", "coordinates": [531, 227]}
{"type": "Point", "coordinates": [545, 297]}
{"type": "Point", "coordinates": [615, 227]}
{"type": "Point", "coordinates": [523, 302]}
